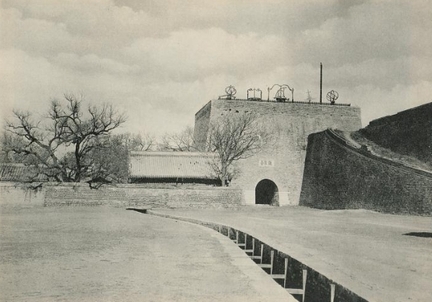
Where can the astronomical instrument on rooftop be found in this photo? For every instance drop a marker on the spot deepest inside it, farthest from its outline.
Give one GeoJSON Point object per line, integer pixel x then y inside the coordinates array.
{"type": "Point", "coordinates": [280, 93]}
{"type": "Point", "coordinates": [332, 96]}
{"type": "Point", "coordinates": [254, 94]}
{"type": "Point", "coordinates": [230, 93]}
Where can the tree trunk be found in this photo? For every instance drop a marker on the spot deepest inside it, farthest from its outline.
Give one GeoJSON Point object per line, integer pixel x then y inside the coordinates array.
{"type": "Point", "coordinates": [78, 163]}
{"type": "Point", "coordinates": [223, 175]}
{"type": "Point", "coordinates": [223, 181]}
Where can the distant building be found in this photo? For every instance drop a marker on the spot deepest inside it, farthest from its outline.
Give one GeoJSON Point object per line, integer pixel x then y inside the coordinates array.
{"type": "Point", "coordinates": [275, 174]}
{"type": "Point", "coordinates": [19, 173]}
{"type": "Point", "coordinates": [171, 167]}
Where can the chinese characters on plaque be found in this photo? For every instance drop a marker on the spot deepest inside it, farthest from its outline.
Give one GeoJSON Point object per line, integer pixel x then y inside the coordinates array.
{"type": "Point", "coordinates": [266, 163]}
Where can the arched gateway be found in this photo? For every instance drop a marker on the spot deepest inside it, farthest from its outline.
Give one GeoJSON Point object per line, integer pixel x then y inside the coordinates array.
{"type": "Point", "coordinates": [266, 192]}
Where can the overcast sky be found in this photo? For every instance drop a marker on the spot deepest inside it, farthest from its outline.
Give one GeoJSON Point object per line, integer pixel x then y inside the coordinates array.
{"type": "Point", "coordinates": [161, 61]}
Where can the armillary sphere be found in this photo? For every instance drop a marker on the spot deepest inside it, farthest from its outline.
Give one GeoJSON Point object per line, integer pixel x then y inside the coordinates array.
{"type": "Point", "coordinates": [230, 90]}
{"type": "Point", "coordinates": [280, 93]}
{"type": "Point", "coordinates": [332, 96]}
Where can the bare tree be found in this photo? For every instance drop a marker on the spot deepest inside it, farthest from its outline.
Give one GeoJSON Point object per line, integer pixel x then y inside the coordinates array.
{"type": "Point", "coordinates": [232, 137]}
{"type": "Point", "coordinates": [6, 154]}
{"type": "Point", "coordinates": [62, 148]}
{"type": "Point", "coordinates": [182, 141]}
{"type": "Point", "coordinates": [110, 161]}
{"type": "Point", "coordinates": [142, 142]}
{"type": "Point", "coordinates": [137, 142]}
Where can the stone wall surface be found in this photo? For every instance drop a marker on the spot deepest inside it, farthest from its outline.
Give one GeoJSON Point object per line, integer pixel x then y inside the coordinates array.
{"type": "Point", "coordinates": [290, 124]}
{"type": "Point", "coordinates": [201, 128]}
{"type": "Point", "coordinates": [20, 194]}
{"type": "Point", "coordinates": [337, 176]}
{"type": "Point", "coordinates": [409, 132]}
{"type": "Point", "coordinates": [123, 196]}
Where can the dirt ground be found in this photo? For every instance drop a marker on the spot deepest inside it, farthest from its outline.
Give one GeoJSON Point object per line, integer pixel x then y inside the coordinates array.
{"type": "Point", "coordinates": [367, 252]}
{"type": "Point", "coordinates": [109, 254]}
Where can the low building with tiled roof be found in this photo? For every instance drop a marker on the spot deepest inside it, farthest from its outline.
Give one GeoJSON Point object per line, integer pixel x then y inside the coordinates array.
{"type": "Point", "coordinates": [175, 167]}
{"type": "Point", "coordinates": [13, 172]}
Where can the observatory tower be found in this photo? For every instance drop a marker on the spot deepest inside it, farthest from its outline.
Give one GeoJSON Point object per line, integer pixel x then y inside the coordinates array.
{"type": "Point", "coordinates": [274, 175]}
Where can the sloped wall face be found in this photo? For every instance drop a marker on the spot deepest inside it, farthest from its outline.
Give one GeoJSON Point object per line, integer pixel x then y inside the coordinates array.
{"type": "Point", "coordinates": [282, 161]}
{"type": "Point", "coordinates": [408, 132]}
{"type": "Point", "coordinates": [202, 122]}
{"type": "Point", "coordinates": [336, 177]}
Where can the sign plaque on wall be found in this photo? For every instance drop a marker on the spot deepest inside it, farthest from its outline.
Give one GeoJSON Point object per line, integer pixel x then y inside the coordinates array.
{"type": "Point", "coordinates": [266, 163]}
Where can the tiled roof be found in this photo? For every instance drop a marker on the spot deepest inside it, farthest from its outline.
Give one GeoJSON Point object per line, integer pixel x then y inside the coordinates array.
{"type": "Point", "coordinates": [170, 165]}
{"type": "Point", "coordinates": [18, 172]}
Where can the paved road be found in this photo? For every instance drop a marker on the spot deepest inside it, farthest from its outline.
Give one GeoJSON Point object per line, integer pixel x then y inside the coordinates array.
{"type": "Point", "coordinates": [108, 254]}
{"type": "Point", "coordinates": [367, 252]}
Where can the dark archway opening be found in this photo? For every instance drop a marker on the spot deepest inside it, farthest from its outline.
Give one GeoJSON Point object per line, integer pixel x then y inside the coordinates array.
{"type": "Point", "coordinates": [266, 192]}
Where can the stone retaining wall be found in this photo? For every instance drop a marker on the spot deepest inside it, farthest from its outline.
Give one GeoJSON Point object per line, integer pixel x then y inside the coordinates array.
{"type": "Point", "coordinates": [122, 196]}
{"type": "Point", "coordinates": [318, 286]}
{"type": "Point", "coordinates": [339, 177]}
{"type": "Point", "coordinates": [20, 194]}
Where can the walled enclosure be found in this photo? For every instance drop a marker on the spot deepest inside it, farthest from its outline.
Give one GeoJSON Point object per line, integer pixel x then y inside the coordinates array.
{"type": "Point", "coordinates": [290, 124]}
{"type": "Point", "coordinates": [339, 177]}
{"type": "Point", "coordinates": [120, 196]}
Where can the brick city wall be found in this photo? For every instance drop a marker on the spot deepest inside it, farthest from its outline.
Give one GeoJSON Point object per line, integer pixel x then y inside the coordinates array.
{"type": "Point", "coordinates": [290, 124]}
{"type": "Point", "coordinates": [408, 132]}
{"type": "Point", "coordinates": [338, 177]}
{"type": "Point", "coordinates": [123, 196]}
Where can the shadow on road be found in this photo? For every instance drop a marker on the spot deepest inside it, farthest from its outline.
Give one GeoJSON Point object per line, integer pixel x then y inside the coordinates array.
{"type": "Point", "coordinates": [144, 211]}
{"type": "Point", "coordinates": [419, 234]}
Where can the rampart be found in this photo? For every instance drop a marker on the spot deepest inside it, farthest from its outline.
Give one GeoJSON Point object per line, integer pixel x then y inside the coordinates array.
{"type": "Point", "coordinates": [120, 196]}
{"type": "Point", "coordinates": [339, 176]}
{"type": "Point", "coordinates": [409, 132]}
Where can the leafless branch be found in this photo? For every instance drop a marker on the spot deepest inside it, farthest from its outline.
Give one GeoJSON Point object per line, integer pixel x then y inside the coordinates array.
{"type": "Point", "coordinates": [68, 127]}
{"type": "Point", "coordinates": [232, 137]}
